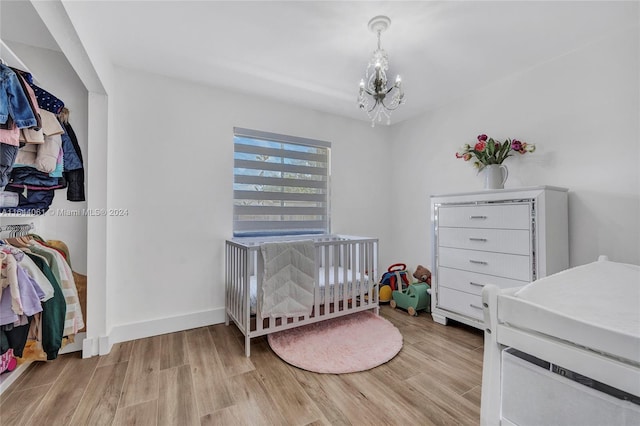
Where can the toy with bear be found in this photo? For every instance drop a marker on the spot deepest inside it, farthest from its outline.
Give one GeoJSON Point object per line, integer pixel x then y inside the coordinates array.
{"type": "Point", "coordinates": [397, 289]}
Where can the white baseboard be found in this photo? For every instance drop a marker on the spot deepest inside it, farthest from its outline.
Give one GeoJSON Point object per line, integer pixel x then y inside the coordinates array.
{"type": "Point", "coordinates": [90, 347]}
{"type": "Point", "coordinates": [140, 330]}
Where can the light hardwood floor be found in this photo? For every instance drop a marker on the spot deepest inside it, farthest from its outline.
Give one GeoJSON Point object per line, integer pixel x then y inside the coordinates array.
{"type": "Point", "coordinates": [201, 377]}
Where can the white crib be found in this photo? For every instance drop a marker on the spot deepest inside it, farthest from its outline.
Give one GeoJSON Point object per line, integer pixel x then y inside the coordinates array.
{"type": "Point", "coordinates": [347, 264]}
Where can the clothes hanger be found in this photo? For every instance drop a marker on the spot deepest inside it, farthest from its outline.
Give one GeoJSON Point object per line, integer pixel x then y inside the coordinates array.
{"type": "Point", "coordinates": [26, 239]}
{"type": "Point", "coordinates": [16, 242]}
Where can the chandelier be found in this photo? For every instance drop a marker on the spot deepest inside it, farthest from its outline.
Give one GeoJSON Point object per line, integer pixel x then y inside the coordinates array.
{"type": "Point", "coordinates": [375, 98]}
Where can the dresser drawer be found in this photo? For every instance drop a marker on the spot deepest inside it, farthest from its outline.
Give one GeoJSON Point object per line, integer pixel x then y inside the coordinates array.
{"type": "Point", "coordinates": [460, 302]}
{"type": "Point", "coordinates": [512, 266]}
{"type": "Point", "coordinates": [513, 241]}
{"type": "Point", "coordinates": [505, 216]}
{"type": "Point", "coordinates": [472, 282]}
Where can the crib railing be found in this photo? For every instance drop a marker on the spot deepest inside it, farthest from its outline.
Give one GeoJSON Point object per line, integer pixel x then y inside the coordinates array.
{"type": "Point", "coordinates": [346, 264]}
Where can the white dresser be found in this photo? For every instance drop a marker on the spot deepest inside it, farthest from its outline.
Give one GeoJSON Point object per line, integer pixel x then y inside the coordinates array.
{"type": "Point", "coordinates": [506, 237]}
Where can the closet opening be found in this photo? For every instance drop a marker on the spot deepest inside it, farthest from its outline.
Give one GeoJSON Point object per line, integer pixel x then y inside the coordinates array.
{"type": "Point", "coordinates": [44, 236]}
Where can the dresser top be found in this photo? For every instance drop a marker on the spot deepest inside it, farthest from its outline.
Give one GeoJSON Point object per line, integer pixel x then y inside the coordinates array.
{"type": "Point", "coordinates": [505, 191]}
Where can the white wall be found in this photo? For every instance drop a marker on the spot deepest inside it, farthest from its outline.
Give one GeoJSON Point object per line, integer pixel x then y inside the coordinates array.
{"type": "Point", "coordinates": [581, 110]}
{"type": "Point", "coordinates": [171, 166]}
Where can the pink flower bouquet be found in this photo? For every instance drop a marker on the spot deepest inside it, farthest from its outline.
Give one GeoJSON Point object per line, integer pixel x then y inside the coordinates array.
{"type": "Point", "coordinates": [488, 151]}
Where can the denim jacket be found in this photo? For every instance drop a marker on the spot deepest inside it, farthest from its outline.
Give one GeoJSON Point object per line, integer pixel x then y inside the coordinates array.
{"type": "Point", "coordinates": [13, 100]}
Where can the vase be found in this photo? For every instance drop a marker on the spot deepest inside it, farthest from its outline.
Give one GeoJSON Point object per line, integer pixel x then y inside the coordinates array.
{"type": "Point", "coordinates": [495, 175]}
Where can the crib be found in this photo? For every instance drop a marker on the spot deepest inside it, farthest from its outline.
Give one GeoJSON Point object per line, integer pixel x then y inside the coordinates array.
{"type": "Point", "coordinates": [344, 282]}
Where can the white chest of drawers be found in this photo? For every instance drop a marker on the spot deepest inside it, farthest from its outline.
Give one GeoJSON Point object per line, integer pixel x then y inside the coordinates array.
{"type": "Point", "coordinates": [506, 237]}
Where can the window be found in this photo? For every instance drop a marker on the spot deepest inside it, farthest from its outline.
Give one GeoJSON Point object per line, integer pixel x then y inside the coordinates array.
{"type": "Point", "coordinates": [281, 184]}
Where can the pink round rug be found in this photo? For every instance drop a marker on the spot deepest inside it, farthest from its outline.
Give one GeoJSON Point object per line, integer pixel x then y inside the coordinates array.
{"type": "Point", "coordinates": [347, 344]}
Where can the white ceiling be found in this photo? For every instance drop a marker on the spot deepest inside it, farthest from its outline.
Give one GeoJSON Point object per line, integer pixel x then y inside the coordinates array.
{"type": "Point", "coordinates": [313, 53]}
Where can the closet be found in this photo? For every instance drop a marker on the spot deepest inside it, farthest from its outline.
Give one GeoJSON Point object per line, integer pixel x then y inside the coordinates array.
{"type": "Point", "coordinates": [26, 44]}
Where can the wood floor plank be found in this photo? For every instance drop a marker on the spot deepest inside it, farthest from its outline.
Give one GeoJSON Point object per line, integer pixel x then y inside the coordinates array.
{"type": "Point", "coordinates": [60, 403]}
{"type": "Point", "coordinates": [474, 395]}
{"type": "Point", "coordinates": [18, 407]}
{"type": "Point", "coordinates": [312, 386]}
{"type": "Point", "coordinates": [254, 403]}
{"type": "Point", "coordinates": [141, 382]}
{"type": "Point", "coordinates": [176, 403]}
{"type": "Point", "coordinates": [402, 403]}
{"type": "Point", "coordinates": [355, 406]}
{"type": "Point", "coordinates": [120, 352]}
{"type": "Point", "coordinates": [281, 384]}
{"type": "Point", "coordinates": [441, 374]}
{"type": "Point", "coordinates": [449, 356]}
{"type": "Point", "coordinates": [100, 401]}
{"type": "Point", "coordinates": [40, 373]}
{"type": "Point", "coordinates": [232, 354]}
{"type": "Point", "coordinates": [413, 328]}
{"type": "Point", "coordinates": [143, 414]}
{"type": "Point", "coordinates": [233, 415]}
{"type": "Point", "coordinates": [405, 364]}
{"type": "Point", "coordinates": [173, 350]}
{"type": "Point", "coordinates": [449, 402]}
{"type": "Point", "coordinates": [462, 335]}
{"type": "Point", "coordinates": [209, 378]}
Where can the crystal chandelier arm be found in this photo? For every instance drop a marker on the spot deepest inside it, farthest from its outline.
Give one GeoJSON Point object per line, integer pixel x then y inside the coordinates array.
{"type": "Point", "coordinates": [374, 106]}
{"type": "Point", "coordinates": [391, 108]}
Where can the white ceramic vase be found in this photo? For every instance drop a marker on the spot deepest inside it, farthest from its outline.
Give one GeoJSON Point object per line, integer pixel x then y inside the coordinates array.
{"type": "Point", "coordinates": [495, 175]}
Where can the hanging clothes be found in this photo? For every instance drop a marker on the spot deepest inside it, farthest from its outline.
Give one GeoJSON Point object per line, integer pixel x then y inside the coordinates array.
{"type": "Point", "coordinates": [73, 163]}
{"type": "Point", "coordinates": [54, 312]}
{"type": "Point", "coordinates": [18, 110]}
{"type": "Point", "coordinates": [46, 100]}
{"type": "Point", "coordinates": [73, 320]}
{"type": "Point", "coordinates": [46, 308]}
{"type": "Point", "coordinates": [29, 119]}
{"type": "Point", "coordinates": [14, 103]}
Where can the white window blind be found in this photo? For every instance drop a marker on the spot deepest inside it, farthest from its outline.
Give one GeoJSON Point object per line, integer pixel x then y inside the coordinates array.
{"type": "Point", "coordinates": [281, 184]}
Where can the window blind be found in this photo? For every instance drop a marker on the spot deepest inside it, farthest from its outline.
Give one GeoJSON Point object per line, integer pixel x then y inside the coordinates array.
{"type": "Point", "coordinates": [281, 184]}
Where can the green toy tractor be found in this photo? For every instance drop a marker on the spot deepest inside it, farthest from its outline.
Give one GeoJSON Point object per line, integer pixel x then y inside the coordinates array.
{"type": "Point", "coordinates": [413, 298]}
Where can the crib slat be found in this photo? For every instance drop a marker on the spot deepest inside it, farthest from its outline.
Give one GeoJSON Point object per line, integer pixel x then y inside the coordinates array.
{"type": "Point", "coordinates": [316, 278]}
{"type": "Point", "coordinates": [360, 273]}
{"type": "Point", "coordinates": [339, 253]}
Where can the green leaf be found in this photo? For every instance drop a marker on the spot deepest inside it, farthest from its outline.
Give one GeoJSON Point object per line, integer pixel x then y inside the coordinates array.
{"type": "Point", "coordinates": [491, 148]}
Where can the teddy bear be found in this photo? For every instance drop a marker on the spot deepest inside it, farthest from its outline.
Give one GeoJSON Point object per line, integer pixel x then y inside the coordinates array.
{"type": "Point", "coordinates": [422, 274]}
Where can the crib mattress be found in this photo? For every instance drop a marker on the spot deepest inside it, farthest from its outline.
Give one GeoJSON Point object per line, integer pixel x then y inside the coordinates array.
{"type": "Point", "coordinates": [326, 294]}
{"type": "Point", "coordinates": [596, 306]}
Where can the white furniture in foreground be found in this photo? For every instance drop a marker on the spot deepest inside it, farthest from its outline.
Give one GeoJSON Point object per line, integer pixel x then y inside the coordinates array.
{"type": "Point", "coordinates": [564, 350]}
{"type": "Point", "coordinates": [505, 237]}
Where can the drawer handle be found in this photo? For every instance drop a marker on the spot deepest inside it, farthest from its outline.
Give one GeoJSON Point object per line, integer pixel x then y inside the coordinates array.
{"type": "Point", "coordinates": [484, 240]}
{"type": "Point", "coordinates": [476, 284]}
{"type": "Point", "coordinates": [478, 262]}
{"type": "Point", "coordinates": [477, 217]}
{"type": "Point", "coordinates": [475, 306]}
